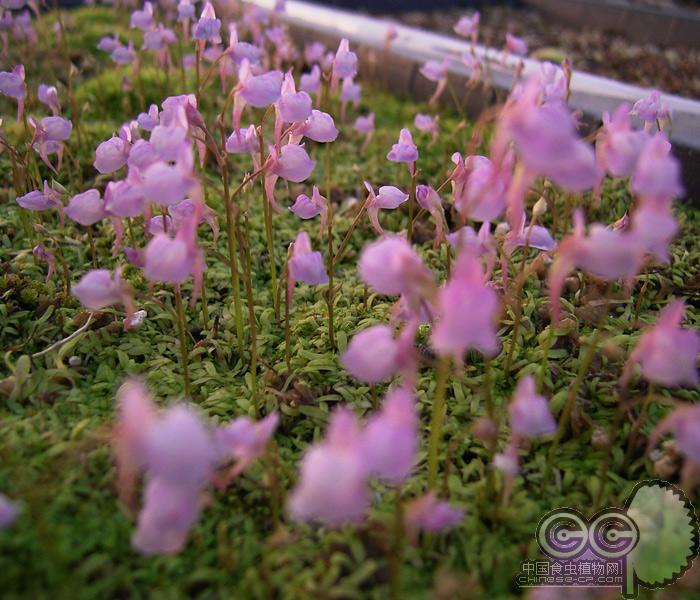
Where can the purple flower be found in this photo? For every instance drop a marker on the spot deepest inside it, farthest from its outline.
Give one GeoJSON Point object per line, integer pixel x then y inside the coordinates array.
{"type": "Point", "coordinates": [246, 440]}
{"type": "Point", "coordinates": [345, 62]}
{"type": "Point", "coordinates": [468, 27]}
{"type": "Point", "coordinates": [332, 486]}
{"type": "Point", "coordinates": [515, 45]}
{"type": "Point", "coordinates": [169, 512]}
{"type": "Point", "coordinates": [56, 129]}
{"type": "Point", "coordinates": [111, 155]}
{"type": "Point", "coordinates": [185, 10]}
{"type": "Point", "coordinates": [99, 289]}
{"type": "Point", "coordinates": [41, 200]}
{"type": "Point", "coordinates": [657, 175]}
{"type": "Point", "coordinates": [12, 85]}
{"type": "Point", "coordinates": [243, 141]}
{"type": "Point", "coordinates": [319, 127]}
{"type": "Point", "coordinates": [293, 106]}
{"type": "Point", "coordinates": [618, 146]}
{"type": "Point", "coordinates": [389, 197]}
{"type": "Point", "coordinates": [166, 457]}
{"type": "Point", "coordinates": [308, 208]}
{"type": "Point", "coordinates": [168, 260]}
{"type": "Point", "coordinates": [259, 90]}
{"type": "Point", "coordinates": [391, 266]}
{"type": "Point", "coordinates": [86, 208]}
{"type": "Point", "coordinates": [48, 95]}
{"type": "Point", "coordinates": [313, 52]}
{"type": "Point", "coordinates": [427, 513]}
{"type": "Point", "coordinates": [124, 199]}
{"type": "Point", "coordinates": [208, 28]}
{"type": "Point", "coordinates": [292, 163]}
{"type": "Point", "coordinates": [365, 124]}
{"type": "Point", "coordinates": [311, 82]}
{"type": "Point", "coordinates": [350, 91]}
{"type": "Point", "coordinates": [8, 511]}
{"type": "Point", "coordinates": [405, 150]}
{"type": "Point", "coordinates": [109, 44]}
{"type": "Point", "coordinates": [123, 55]}
{"type": "Point", "coordinates": [666, 353]}
{"type": "Point", "coordinates": [466, 310]}
{"type": "Point", "coordinates": [684, 422]}
{"type": "Point", "coordinates": [169, 141]}
{"type": "Point", "coordinates": [529, 412]}
{"type": "Point", "coordinates": [651, 109]}
{"type": "Point", "coordinates": [373, 355]}
{"type": "Point", "coordinates": [305, 265]}
{"type": "Point", "coordinates": [142, 19]}
{"type": "Point", "coordinates": [167, 184]}
{"type": "Point", "coordinates": [390, 439]}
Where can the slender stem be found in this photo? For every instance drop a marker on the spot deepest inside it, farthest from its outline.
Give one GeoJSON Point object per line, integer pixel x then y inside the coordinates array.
{"type": "Point", "coordinates": [244, 248]}
{"type": "Point", "coordinates": [197, 67]}
{"type": "Point", "coordinates": [346, 239]}
{"type": "Point", "coordinates": [634, 433]}
{"type": "Point", "coordinates": [436, 421]}
{"type": "Point", "coordinates": [205, 308]}
{"type": "Point", "coordinates": [412, 200]}
{"type": "Point", "coordinates": [570, 399]}
{"type": "Point", "coordinates": [545, 357]}
{"type": "Point", "coordinates": [331, 261]}
{"type": "Point", "coordinates": [267, 213]}
{"type": "Point", "coordinates": [183, 341]}
{"type": "Point", "coordinates": [287, 326]}
{"type": "Point", "coordinates": [640, 299]}
{"type": "Point", "coordinates": [93, 250]}
{"type": "Point", "coordinates": [232, 252]}
{"type": "Point", "coordinates": [396, 549]}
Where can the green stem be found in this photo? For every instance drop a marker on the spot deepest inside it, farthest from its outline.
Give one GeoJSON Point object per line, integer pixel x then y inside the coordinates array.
{"type": "Point", "coordinates": [244, 248]}
{"type": "Point", "coordinates": [411, 201]}
{"type": "Point", "coordinates": [397, 548]}
{"type": "Point", "coordinates": [436, 421]}
{"type": "Point", "coordinates": [549, 340]}
{"type": "Point", "coordinates": [568, 406]}
{"type": "Point", "coordinates": [93, 250]}
{"type": "Point", "coordinates": [331, 261]}
{"type": "Point", "coordinates": [183, 342]}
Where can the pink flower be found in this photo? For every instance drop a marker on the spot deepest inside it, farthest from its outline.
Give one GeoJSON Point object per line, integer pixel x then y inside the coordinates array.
{"type": "Point", "coordinates": [166, 184]}
{"type": "Point", "coordinates": [553, 83]}
{"type": "Point", "coordinates": [123, 55]}
{"type": "Point", "coordinates": [243, 141]}
{"type": "Point", "coordinates": [12, 85]}
{"type": "Point", "coordinates": [427, 513]}
{"type": "Point", "coordinates": [182, 212]}
{"type": "Point", "coordinates": [319, 127]}
{"type": "Point", "coordinates": [545, 136]}
{"type": "Point", "coordinates": [350, 91]}
{"type": "Point", "coordinates": [515, 45]}
{"type": "Point", "coordinates": [124, 199]}
{"type": "Point", "coordinates": [292, 163]}
{"type": "Point", "coordinates": [529, 412]}
{"type": "Point", "coordinates": [606, 253]}
{"type": "Point", "coordinates": [374, 354]}
{"type": "Point", "coordinates": [56, 129]}
{"type": "Point", "coordinates": [390, 440]}
{"type": "Point", "coordinates": [405, 150]}
{"type": "Point", "coordinates": [308, 208]}
{"type": "Point", "coordinates": [99, 289]}
{"type": "Point", "coordinates": [259, 90]}
{"type": "Point", "coordinates": [619, 146]}
{"type": "Point", "coordinates": [305, 265]}
{"type": "Point", "coordinates": [168, 260]}
{"type": "Point", "coordinates": [293, 106]}
{"type": "Point", "coordinates": [436, 71]}
{"type": "Point", "coordinates": [165, 455]}
{"type": "Point", "coordinates": [48, 95]}
{"type": "Point", "coordinates": [208, 28]}
{"type": "Point", "coordinates": [43, 254]}
{"type": "Point", "coordinates": [169, 512]}
{"type": "Point", "coordinates": [466, 311]}
{"type": "Point", "coordinates": [390, 266]}
{"type": "Point", "coordinates": [389, 197]}
{"type": "Point", "coordinates": [657, 175]}
{"type": "Point", "coordinates": [427, 124]}
{"type": "Point", "coordinates": [345, 62]}
{"type": "Point", "coordinates": [142, 19]}
{"type": "Point", "coordinates": [480, 187]}
{"type": "Point", "coordinates": [313, 52]}
{"type": "Point", "coordinates": [468, 27]}
{"type": "Point", "coordinates": [8, 511]}
{"type": "Point", "coordinates": [87, 208]}
{"type": "Point", "coordinates": [41, 200]}
{"type": "Point", "coordinates": [311, 82]}
{"type": "Point", "coordinates": [430, 200]}
{"type": "Point", "coordinates": [111, 155]}
{"type": "Point", "coordinates": [365, 124]}
{"type": "Point", "coordinates": [684, 422]}
{"type": "Point", "coordinates": [666, 353]}
{"type": "Point", "coordinates": [246, 440]}
{"type": "Point", "coordinates": [654, 225]}
{"type": "Point", "coordinates": [651, 109]}
{"type": "Point", "coordinates": [332, 486]}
